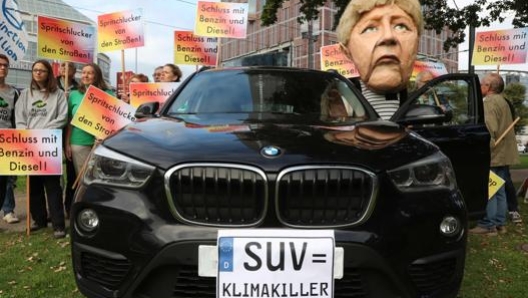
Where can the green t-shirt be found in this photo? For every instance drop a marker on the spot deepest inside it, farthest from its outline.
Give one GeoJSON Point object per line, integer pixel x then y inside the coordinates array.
{"type": "Point", "coordinates": [79, 136]}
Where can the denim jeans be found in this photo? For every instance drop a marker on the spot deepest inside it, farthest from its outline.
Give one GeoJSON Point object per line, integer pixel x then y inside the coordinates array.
{"type": "Point", "coordinates": [497, 206]}
{"type": "Point", "coordinates": [9, 202]}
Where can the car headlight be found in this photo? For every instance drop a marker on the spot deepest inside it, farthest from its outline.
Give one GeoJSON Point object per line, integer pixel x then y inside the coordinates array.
{"type": "Point", "coordinates": [109, 167]}
{"type": "Point", "coordinates": [430, 173]}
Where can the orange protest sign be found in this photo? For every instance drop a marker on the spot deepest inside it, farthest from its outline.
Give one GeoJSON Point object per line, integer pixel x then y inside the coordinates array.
{"type": "Point", "coordinates": [120, 30]}
{"type": "Point", "coordinates": [147, 92]}
{"type": "Point", "coordinates": [194, 50]}
{"type": "Point", "coordinates": [65, 40]}
{"type": "Point", "coordinates": [101, 114]}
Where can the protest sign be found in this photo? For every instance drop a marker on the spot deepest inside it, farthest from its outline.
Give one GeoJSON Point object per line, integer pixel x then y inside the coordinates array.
{"type": "Point", "coordinates": [333, 58]}
{"type": "Point", "coordinates": [100, 114]}
{"type": "Point", "coordinates": [494, 184]}
{"type": "Point", "coordinates": [500, 47]}
{"type": "Point", "coordinates": [120, 30]}
{"type": "Point", "coordinates": [147, 92]}
{"type": "Point", "coordinates": [30, 152]}
{"type": "Point", "coordinates": [436, 68]}
{"type": "Point", "coordinates": [194, 50]}
{"type": "Point", "coordinates": [221, 19]}
{"type": "Point", "coordinates": [13, 36]}
{"type": "Point", "coordinates": [65, 40]}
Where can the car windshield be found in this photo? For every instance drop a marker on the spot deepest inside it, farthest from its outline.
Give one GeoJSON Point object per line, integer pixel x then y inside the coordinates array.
{"type": "Point", "coordinates": [278, 91]}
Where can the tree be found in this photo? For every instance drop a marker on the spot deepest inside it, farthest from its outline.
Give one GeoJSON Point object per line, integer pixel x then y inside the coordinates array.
{"type": "Point", "coordinates": [515, 93]}
{"type": "Point", "coordinates": [437, 15]}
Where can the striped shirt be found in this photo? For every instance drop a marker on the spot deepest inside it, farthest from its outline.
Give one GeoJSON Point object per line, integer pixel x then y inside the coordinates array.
{"type": "Point", "coordinates": [385, 108]}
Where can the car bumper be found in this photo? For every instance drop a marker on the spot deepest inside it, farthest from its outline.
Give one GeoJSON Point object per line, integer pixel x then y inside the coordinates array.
{"type": "Point", "coordinates": [138, 252]}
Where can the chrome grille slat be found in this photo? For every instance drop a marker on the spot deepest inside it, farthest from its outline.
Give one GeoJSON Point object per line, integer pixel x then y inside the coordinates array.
{"type": "Point", "coordinates": [324, 196]}
{"type": "Point", "coordinates": [230, 195]}
{"type": "Point", "coordinates": [217, 194]}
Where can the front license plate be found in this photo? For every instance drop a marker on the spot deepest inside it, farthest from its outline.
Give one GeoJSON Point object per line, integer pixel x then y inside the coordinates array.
{"type": "Point", "coordinates": [275, 263]}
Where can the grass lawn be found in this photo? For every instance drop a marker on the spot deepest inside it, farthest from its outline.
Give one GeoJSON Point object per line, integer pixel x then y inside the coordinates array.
{"type": "Point", "coordinates": [524, 162]}
{"type": "Point", "coordinates": [36, 266]}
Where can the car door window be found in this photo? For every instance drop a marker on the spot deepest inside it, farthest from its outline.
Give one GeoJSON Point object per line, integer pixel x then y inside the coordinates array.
{"type": "Point", "coordinates": [452, 96]}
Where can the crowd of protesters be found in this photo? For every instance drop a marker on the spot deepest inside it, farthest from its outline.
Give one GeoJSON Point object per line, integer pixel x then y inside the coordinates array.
{"type": "Point", "coordinates": [50, 102]}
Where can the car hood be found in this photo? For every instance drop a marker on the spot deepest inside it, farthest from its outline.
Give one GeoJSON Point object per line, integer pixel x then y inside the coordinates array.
{"type": "Point", "coordinates": [166, 142]}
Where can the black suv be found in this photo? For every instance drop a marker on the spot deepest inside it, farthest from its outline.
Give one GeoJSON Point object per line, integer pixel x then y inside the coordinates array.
{"type": "Point", "coordinates": [241, 161]}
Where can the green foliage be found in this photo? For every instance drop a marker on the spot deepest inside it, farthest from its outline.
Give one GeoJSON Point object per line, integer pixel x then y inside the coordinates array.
{"type": "Point", "coordinates": [437, 15]}
{"type": "Point", "coordinates": [523, 164]}
{"type": "Point", "coordinates": [515, 92]}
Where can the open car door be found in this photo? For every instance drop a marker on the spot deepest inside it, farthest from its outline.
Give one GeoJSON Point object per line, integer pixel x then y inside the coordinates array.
{"type": "Point", "coordinates": [461, 134]}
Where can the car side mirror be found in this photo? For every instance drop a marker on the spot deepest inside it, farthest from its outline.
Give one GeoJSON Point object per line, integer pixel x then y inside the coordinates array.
{"type": "Point", "coordinates": [425, 114]}
{"type": "Point", "coordinates": [148, 109]}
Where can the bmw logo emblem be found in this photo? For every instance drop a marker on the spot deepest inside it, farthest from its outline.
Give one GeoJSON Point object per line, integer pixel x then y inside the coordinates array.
{"type": "Point", "coordinates": [270, 151]}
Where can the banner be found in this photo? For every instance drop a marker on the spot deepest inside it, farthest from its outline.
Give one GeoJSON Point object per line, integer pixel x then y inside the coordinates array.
{"type": "Point", "coordinates": [65, 40]}
{"type": "Point", "coordinates": [147, 92]}
{"type": "Point", "coordinates": [120, 30]}
{"type": "Point", "coordinates": [13, 36]}
{"type": "Point", "coordinates": [100, 114]}
{"type": "Point", "coordinates": [221, 19]}
{"type": "Point", "coordinates": [30, 152]}
{"type": "Point", "coordinates": [436, 68]}
{"type": "Point", "coordinates": [194, 50]}
{"type": "Point", "coordinates": [500, 47]}
{"type": "Point", "coordinates": [333, 58]}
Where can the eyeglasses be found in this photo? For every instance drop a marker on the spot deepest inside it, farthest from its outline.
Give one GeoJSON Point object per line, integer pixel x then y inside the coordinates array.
{"type": "Point", "coordinates": [4, 65]}
{"type": "Point", "coordinates": [40, 70]}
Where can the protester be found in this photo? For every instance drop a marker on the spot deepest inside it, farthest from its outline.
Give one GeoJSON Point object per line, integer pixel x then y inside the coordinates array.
{"type": "Point", "coordinates": [158, 72]}
{"type": "Point", "coordinates": [136, 78]}
{"type": "Point", "coordinates": [68, 80]}
{"type": "Point", "coordinates": [43, 106]}
{"type": "Point", "coordinates": [423, 78]}
{"type": "Point", "coordinates": [511, 194]}
{"type": "Point", "coordinates": [498, 118]}
{"type": "Point", "coordinates": [79, 143]}
{"type": "Point", "coordinates": [9, 203]}
{"type": "Point", "coordinates": [381, 38]}
{"type": "Point", "coordinates": [171, 73]}
{"type": "Point", "coordinates": [8, 98]}
{"type": "Point", "coordinates": [511, 200]}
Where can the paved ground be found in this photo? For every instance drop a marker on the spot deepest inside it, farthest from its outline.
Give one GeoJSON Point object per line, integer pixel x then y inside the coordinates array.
{"type": "Point", "coordinates": [20, 209]}
{"type": "Point", "coordinates": [519, 175]}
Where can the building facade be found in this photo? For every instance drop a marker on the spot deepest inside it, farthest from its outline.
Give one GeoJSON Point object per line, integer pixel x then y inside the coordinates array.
{"type": "Point", "coordinates": [20, 71]}
{"type": "Point", "coordinates": [289, 43]}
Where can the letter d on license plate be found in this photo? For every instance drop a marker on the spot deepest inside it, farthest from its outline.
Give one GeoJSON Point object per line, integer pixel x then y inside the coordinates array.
{"type": "Point", "coordinates": [275, 263]}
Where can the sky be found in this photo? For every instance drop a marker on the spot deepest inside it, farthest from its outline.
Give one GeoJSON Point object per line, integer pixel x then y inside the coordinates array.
{"type": "Point", "coordinates": [163, 17]}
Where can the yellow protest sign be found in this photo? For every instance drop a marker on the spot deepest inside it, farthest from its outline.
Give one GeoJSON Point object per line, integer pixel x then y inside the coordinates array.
{"type": "Point", "coordinates": [495, 183]}
{"type": "Point", "coordinates": [333, 58]}
{"type": "Point", "coordinates": [221, 19]}
{"type": "Point", "coordinates": [500, 47]}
